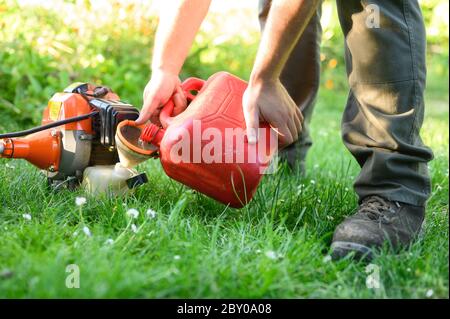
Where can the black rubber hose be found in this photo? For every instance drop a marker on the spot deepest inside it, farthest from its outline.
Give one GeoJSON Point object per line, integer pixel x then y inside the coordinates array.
{"type": "Point", "coordinates": [47, 126]}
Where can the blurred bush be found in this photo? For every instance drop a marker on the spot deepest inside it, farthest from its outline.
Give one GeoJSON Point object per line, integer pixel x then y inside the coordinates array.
{"type": "Point", "coordinates": [46, 45]}
{"type": "Point", "coordinates": [44, 49]}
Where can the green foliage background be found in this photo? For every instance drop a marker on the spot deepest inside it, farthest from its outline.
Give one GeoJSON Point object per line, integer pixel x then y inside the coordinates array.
{"type": "Point", "coordinates": [43, 48]}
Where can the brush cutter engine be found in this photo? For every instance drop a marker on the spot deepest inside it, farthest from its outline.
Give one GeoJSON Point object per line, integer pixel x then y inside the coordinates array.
{"type": "Point", "coordinates": [78, 130]}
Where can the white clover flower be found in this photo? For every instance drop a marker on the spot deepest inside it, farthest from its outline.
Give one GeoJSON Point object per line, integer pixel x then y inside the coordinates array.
{"type": "Point", "coordinates": [75, 234]}
{"type": "Point", "coordinates": [134, 228]}
{"type": "Point", "coordinates": [326, 259]}
{"type": "Point", "coordinates": [87, 231]}
{"type": "Point", "coordinates": [258, 251]}
{"type": "Point", "coordinates": [151, 213]}
{"type": "Point", "coordinates": [312, 181]}
{"type": "Point", "coordinates": [26, 216]}
{"type": "Point", "coordinates": [177, 257]}
{"type": "Point", "coordinates": [100, 58]}
{"type": "Point", "coordinates": [271, 254]}
{"type": "Point", "coordinates": [429, 293]}
{"type": "Point", "coordinates": [109, 241]}
{"type": "Point", "coordinates": [133, 213]}
{"type": "Point", "coordinates": [80, 201]}
{"type": "Point", "coordinates": [346, 189]}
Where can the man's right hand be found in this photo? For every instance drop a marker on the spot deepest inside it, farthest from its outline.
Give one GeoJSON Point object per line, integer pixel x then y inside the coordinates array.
{"type": "Point", "coordinates": [161, 87]}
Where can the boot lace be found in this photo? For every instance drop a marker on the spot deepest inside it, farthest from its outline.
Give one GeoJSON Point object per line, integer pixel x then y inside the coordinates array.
{"type": "Point", "coordinates": [377, 208]}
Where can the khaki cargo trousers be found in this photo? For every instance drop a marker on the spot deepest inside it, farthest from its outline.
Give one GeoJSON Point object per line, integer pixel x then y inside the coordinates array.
{"type": "Point", "coordinates": [385, 108]}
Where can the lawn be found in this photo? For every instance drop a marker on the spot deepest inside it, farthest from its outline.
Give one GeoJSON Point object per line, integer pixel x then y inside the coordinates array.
{"type": "Point", "coordinates": [276, 247]}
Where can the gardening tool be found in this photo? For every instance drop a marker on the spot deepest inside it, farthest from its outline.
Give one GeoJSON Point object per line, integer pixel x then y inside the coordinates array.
{"type": "Point", "coordinates": [205, 146]}
{"type": "Point", "coordinates": [77, 132]}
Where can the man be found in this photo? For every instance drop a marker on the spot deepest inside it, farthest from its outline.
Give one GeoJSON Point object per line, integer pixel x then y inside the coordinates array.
{"type": "Point", "coordinates": [381, 123]}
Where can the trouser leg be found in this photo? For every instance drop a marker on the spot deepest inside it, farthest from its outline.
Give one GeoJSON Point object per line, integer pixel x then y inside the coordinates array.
{"type": "Point", "coordinates": [384, 113]}
{"type": "Point", "coordinates": [301, 79]}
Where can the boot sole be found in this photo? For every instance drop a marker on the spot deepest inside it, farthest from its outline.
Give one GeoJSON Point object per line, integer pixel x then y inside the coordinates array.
{"type": "Point", "coordinates": [341, 249]}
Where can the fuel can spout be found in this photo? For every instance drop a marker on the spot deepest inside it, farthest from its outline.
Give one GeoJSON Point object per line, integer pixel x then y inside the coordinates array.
{"type": "Point", "coordinates": [42, 149]}
{"type": "Point", "coordinates": [132, 149]}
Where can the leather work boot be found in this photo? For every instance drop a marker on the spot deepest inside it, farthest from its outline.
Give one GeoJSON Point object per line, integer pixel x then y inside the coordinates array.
{"type": "Point", "coordinates": [377, 221]}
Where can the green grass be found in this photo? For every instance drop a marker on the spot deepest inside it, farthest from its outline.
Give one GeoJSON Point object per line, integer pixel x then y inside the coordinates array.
{"type": "Point", "coordinates": [222, 251]}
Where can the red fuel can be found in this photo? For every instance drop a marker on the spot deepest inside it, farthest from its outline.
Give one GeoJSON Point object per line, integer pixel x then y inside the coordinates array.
{"type": "Point", "coordinates": [205, 147]}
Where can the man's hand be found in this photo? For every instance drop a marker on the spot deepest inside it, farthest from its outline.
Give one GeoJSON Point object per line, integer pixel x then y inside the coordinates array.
{"type": "Point", "coordinates": [269, 101]}
{"type": "Point", "coordinates": [161, 87]}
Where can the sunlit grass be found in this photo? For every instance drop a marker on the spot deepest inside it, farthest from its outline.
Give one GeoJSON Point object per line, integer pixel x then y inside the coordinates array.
{"type": "Point", "coordinates": [194, 247]}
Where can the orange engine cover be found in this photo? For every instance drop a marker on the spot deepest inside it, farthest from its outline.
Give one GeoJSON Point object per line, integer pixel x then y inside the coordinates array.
{"type": "Point", "coordinates": [44, 149]}
{"type": "Point", "coordinates": [65, 105]}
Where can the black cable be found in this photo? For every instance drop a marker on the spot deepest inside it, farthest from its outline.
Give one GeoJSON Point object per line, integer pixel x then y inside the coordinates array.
{"type": "Point", "coordinates": [48, 126]}
{"type": "Point", "coordinates": [99, 91]}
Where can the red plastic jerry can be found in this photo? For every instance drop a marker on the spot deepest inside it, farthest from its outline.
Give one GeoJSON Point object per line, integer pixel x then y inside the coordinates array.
{"type": "Point", "coordinates": [205, 147]}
